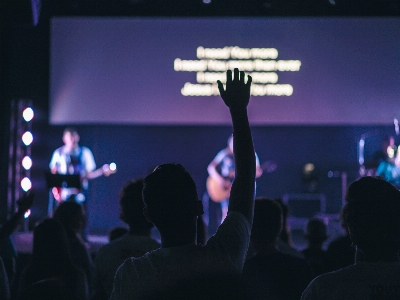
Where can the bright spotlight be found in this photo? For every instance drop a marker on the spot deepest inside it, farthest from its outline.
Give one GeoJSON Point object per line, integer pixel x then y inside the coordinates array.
{"type": "Point", "coordinates": [27, 214]}
{"type": "Point", "coordinates": [26, 184]}
{"type": "Point", "coordinates": [28, 114]}
{"type": "Point", "coordinates": [27, 138]}
{"type": "Point", "coordinates": [27, 162]}
{"type": "Point", "coordinates": [113, 166]}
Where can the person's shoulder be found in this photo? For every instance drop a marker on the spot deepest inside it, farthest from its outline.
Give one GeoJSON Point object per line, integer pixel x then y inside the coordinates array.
{"type": "Point", "coordinates": [320, 283]}
{"type": "Point", "coordinates": [135, 265]}
{"type": "Point", "coordinates": [59, 151]}
{"type": "Point", "coordinates": [85, 149]}
{"type": "Point", "coordinates": [236, 217]}
{"type": "Point", "coordinates": [340, 242]}
{"type": "Point", "coordinates": [327, 279]}
{"type": "Point", "coordinates": [331, 285]}
{"type": "Point", "coordinates": [105, 249]}
{"type": "Point", "coordinates": [127, 242]}
{"type": "Point", "coordinates": [222, 153]}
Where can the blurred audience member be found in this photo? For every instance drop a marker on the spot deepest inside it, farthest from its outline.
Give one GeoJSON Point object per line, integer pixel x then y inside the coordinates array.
{"type": "Point", "coordinates": [284, 243]}
{"type": "Point", "coordinates": [271, 274]}
{"type": "Point", "coordinates": [51, 259]}
{"type": "Point", "coordinates": [372, 218]}
{"type": "Point", "coordinates": [315, 234]}
{"type": "Point", "coordinates": [71, 216]}
{"type": "Point", "coordinates": [134, 244]}
{"type": "Point", "coordinates": [340, 252]}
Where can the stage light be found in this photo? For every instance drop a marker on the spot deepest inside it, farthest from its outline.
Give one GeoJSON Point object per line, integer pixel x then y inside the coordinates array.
{"type": "Point", "coordinates": [27, 138]}
{"type": "Point", "coordinates": [27, 214]}
{"type": "Point", "coordinates": [26, 184]}
{"type": "Point", "coordinates": [113, 166]}
{"type": "Point", "coordinates": [206, 1]}
{"type": "Point", "coordinates": [27, 162]}
{"type": "Point", "coordinates": [308, 168]}
{"type": "Point", "coordinates": [310, 177]}
{"type": "Point", "coordinates": [28, 114]}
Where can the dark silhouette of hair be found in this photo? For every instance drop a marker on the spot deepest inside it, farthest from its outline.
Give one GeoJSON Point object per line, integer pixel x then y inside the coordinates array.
{"type": "Point", "coordinates": [71, 215]}
{"type": "Point", "coordinates": [132, 205]}
{"type": "Point", "coordinates": [315, 231]}
{"type": "Point", "coordinates": [170, 195]}
{"type": "Point", "coordinates": [372, 215]}
{"type": "Point", "coordinates": [267, 222]}
{"type": "Point", "coordinates": [50, 256]}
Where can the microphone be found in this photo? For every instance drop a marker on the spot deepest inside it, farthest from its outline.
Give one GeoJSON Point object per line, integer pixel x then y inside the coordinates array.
{"type": "Point", "coordinates": [396, 126]}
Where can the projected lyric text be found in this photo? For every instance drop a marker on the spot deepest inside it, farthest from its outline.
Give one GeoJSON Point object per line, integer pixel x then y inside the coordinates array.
{"type": "Point", "coordinates": [260, 63]}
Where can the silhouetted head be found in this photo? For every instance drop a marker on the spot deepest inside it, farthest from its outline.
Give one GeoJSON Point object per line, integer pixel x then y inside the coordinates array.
{"type": "Point", "coordinates": [131, 205]}
{"type": "Point", "coordinates": [70, 215]}
{"type": "Point", "coordinates": [372, 215]}
{"type": "Point", "coordinates": [267, 222]}
{"type": "Point", "coordinates": [50, 242]}
{"type": "Point", "coordinates": [315, 231]}
{"type": "Point", "coordinates": [170, 197]}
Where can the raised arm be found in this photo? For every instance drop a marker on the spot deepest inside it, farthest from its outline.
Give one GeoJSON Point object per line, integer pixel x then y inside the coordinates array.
{"type": "Point", "coordinates": [236, 96]}
{"type": "Point", "coordinates": [24, 203]}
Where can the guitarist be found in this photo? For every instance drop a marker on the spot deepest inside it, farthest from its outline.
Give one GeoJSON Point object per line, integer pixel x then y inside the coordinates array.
{"type": "Point", "coordinates": [72, 159]}
{"type": "Point", "coordinates": [221, 170]}
{"type": "Point", "coordinates": [389, 168]}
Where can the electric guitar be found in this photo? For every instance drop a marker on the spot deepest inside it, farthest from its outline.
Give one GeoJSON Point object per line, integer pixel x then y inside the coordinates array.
{"type": "Point", "coordinates": [61, 194]}
{"type": "Point", "coordinates": [219, 192]}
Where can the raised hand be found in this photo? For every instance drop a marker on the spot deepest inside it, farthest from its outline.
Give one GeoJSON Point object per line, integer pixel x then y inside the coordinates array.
{"type": "Point", "coordinates": [237, 93]}
{"type": "Point", "coordinates": [25, 202]}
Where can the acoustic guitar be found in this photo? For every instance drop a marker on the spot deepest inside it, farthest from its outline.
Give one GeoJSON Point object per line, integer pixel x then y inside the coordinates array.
{"type": "Point", "coordinates": [219, 193]}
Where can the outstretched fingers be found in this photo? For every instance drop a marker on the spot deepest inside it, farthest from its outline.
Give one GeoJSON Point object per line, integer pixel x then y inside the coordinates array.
{"type": "Point", "coordinates": [236, 74]}
{"type": "Point", "coordinates": [249, 80]}
{"type": "Point", "coordinates": [229, 76]}
{"type": "Point", "coordinates": [236, 92]}
{"type": "Point", "coordinates": [221, 88]}
{"type": "Point", "coordinates": [242, 76]}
